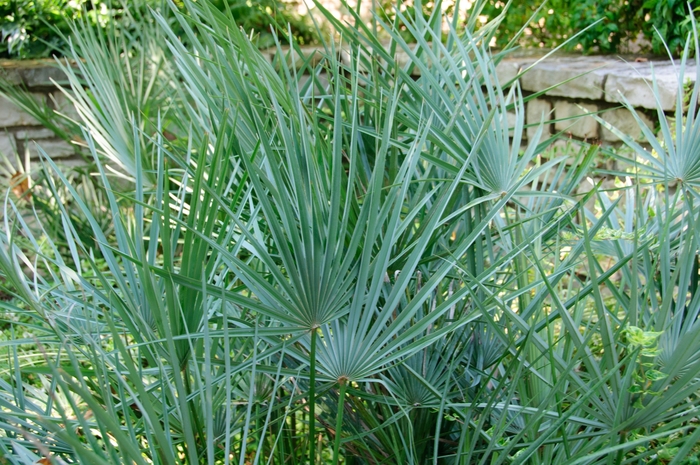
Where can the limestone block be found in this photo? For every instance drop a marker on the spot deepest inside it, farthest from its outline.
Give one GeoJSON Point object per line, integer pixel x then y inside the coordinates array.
{"type": "Point", "coordinates": [585, 186]}
{"type": "Point", "coordinates": [268, 54]}
{"type": "Point", "coordinates": [11, 115]}
{"type": "Point", "coordinates": [32, 73]}
{"type": "Point", "coordinates": [570, 148]}
{"type": "Point", "coordinates": [585, 127]}
{"type": "Point", "coordinates": [72, 162]}
{"type": "Point", "coordinates": [345, 54]}
{"type": "Point", "coordinates": [635, 85]}
{"type": "Point", "coordinates": [622, 119]}
{"type": "Point", "coordinates": [64, 106]}
{"type": "Point", "coordinates": [537, 111]}
{"type": "Point", "coordinates": [588, 77]}
{"type": "Point", "coordinates": [319, 87]}
{"type": "Point", "coordinates": [403, 59]}
{"type": "Point", "coordinates": [32, 134]}
{"type": "Point", "coordinates": [42, 75]}
{"type": "Point", "coordinates": [8, 147]}
{"type": "Point", "coordinates": [348, 56]}
{"type": "Point", "coordinates": [10, 74]}
{"type": "Point", "coordinates": [54, 148]}
{"type": "Point", "coordinates": [312, 55]}
{"type": "Point", "coordinates": [506, 71]}
{"type": "Point", "coordinates": [511, 119]}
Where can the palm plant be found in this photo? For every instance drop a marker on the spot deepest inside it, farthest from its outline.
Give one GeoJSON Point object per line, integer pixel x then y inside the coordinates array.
{"type": "Point", "coordinates": [121, 81]}
{"type": "Point", "coordinates": [360, 267]}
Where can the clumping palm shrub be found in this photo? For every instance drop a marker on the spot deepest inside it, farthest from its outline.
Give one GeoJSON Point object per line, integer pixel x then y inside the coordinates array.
{"type": "Point", "coordinates": [327, 259]}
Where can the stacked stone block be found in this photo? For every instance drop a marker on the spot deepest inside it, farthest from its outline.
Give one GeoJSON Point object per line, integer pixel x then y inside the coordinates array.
{"type": "Point", "coordinates": [590, 85]}
{"type": "Point", "coordinates": [19, 131]}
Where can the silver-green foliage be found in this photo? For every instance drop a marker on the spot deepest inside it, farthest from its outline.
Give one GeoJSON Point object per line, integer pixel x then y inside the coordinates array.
{"type": "Point", "coordinates": [361, 264]}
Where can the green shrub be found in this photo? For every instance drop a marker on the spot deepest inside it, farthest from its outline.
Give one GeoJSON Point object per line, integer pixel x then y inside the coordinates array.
{"type": "Point", "coordinates": [38, 28]}
{"type": "Point", "coordinates": [671, 19]}
{"type": "Point", "coordinates": [618, 22]}
{"type": "Point", "coordinates": [32, 29]}
{"type": "Point", "coordinates": [262, 15]}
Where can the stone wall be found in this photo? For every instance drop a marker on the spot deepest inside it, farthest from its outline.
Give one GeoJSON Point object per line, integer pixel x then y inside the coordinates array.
{"type": "Point", "coordinates": [595, 84]}
{"type": "Point", "coordinates": [18, 130]}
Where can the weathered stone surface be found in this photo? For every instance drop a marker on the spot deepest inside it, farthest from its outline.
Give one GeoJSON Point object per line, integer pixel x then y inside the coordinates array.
{"type": "Point", "coordinates": [268, 54]}
{"type": "Point", "coordinates": [585, 186]}
{"type": "Point", "coordinates": [42, 76]}
{"type": "Point", "coordinates": [507, 70]}
{"type": "Point", "coordinates": [11, 75]}
{"type": "Point", "coordinates": [511, 119]}
{"type": "Point", "coordinates": [588, 77]}
{"type": "Point", "coordinates": [32, 134]}
{"type": "Point", "coordinates": [74, 161]}
{"type": "Point", "coordinates": [32, 73]}
{"type": "Point", "coordinates": [403, 59]}
{"type": "Point", "coordinates": [622, 119]}
{"type": "Point", "coordinates": [64, 106]}
{"type": "Point", "coordinates": [570, 148]}
{"type": "Point", "coordinates": [318, 88]}
{"type": "Point", "coordinates": [55, 148]}
{"type": "Point", "coordinates": [635, 85]}
{"type": "Point", "coordinates": [631, 80]}
{"type": "Point", "coordinates": [7, 145]}
{"type": "Point", "coordinates": [537, 111]}
{"type": "Point", "coordinates": [585, 127]}
{"type": "Point", "coordinates": [10, 115]}
{"type": "Point", "coordinates": [312, 55]}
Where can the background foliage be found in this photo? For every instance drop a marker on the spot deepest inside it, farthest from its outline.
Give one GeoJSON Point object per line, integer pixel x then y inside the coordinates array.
{"type": "Point", "coordinates": [619, 22]}
{"type": "Point", "coordinates": [32, 29]}
{"type": "Point", "coordinates": [38, 28]}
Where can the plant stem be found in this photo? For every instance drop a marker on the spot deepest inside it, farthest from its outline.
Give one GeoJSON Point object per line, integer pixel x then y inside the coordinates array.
{"type": "Point", "coordinates": [312, 399]}
{"type": "Point", "coordinates": [339, 420]}
{"type": "Point", "coordinates": [621, 453]}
